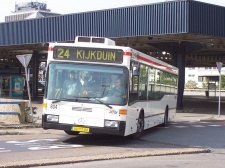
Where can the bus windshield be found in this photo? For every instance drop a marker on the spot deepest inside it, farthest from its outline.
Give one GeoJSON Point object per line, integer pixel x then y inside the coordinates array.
{"type": "Point", "coordinates": [87, 83]}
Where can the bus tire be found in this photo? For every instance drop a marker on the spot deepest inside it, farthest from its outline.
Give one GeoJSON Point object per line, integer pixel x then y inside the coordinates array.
{"type": "Point", "coordinates": [71, 132]}
{"type": "Point", "coordinates": [140, 127]}
{"type": "Point", "coordinates": [165, 123]}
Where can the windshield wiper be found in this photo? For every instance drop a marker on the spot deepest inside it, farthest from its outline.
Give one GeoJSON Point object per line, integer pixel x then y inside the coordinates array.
{"type": "Point", "coordinates": [102, 102]}
{"type": "Point", "coordinates": [99, 101]}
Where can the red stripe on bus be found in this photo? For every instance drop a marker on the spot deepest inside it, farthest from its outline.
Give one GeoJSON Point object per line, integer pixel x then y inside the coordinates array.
{"type": "Point", "coordinates": [50, 48]}
{"type": "Point", "coordinates": [127, 53]}
{"type": "Point", "coordinates": [152, 62]}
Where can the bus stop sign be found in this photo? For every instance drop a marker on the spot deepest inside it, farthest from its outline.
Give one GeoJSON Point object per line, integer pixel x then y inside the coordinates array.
{"type": "Point", "coordinates": [24, 59]}
{"type": "Point", "coordinates": [219, 66]}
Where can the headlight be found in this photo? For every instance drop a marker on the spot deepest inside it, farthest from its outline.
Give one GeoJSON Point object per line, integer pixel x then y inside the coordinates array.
{"type": "Point", "coordinates": [52, 118]}
{"type": "Point", "coordinates": [114, 124]}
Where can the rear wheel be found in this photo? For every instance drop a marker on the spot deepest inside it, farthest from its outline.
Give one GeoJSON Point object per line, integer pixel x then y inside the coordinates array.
{"type": "Point", "coordinates": [165, 123]}
{"type": "Point", "coordinates": [71, 132]}
{"type": "Point", "coordinates": [140, 127]}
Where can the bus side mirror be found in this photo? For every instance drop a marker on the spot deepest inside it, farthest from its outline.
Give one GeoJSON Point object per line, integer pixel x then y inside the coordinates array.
{"type": "Point", "coordinates": [136, 69]}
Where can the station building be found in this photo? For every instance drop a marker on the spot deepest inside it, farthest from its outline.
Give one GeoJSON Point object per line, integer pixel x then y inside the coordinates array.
{"type": "Point", "coordinates": [184, 33]}
{"type": "Point", "coordinates": [29, 10]}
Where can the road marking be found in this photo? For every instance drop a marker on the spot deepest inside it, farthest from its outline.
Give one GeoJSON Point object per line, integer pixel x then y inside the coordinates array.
{"type": "Point", "coordinates": [30, 141]}
{"type": "Point", "coordinates": [2, 150]}
{"type": "Point", "coordinates": [197, 126]}
{"type": "Point", "coordinates": [180, 126]}
{"type": "Point", "coordinates": [25, 144]}
{"type": "Point", "coordinates": [203, 122]}
{"type": "Point", "coordinates": [39, 144]}
{"type": "Point", "coordinates": [214, 125]}
{"type": "Point", "coordinates": [55, 147]}
{"type": "Point", "coordinates": [5, 151]}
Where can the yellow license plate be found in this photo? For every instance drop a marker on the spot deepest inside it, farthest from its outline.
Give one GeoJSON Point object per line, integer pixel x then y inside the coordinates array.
{"type": "Point", "coordinates": [81, 129]}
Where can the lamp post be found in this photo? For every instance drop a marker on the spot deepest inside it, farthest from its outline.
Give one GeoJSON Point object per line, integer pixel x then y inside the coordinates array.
{"type": "Point", "coordinates": [219, 66]}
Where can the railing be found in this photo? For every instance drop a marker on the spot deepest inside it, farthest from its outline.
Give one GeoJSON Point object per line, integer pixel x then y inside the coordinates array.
{"type": "Point", "coordinates": [202, 90]}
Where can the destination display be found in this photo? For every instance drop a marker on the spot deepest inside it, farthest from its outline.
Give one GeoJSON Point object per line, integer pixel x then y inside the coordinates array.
{"type": "Point", "coordinates": [88, 54]}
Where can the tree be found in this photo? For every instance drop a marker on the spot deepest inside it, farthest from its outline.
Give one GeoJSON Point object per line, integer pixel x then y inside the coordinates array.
{"type": "Point", "coordinates": [222, 82]}
{"type": "Point", "coordinates": [191, 85]}
{"type": "Point", "coordinates": [205, 84]}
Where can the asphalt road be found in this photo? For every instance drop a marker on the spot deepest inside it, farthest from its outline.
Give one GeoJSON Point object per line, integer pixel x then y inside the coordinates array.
{"type": "Point", "coordinates": [200, 134]}
{"type": "Point", "coordinates": [186, 135]}
{"type": "Point", "coordinates": [55, 147]}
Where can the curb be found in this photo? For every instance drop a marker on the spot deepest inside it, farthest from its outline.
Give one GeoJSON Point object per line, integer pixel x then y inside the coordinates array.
{"type": "Point", "coordinates": [19, 126]}
{"type": "Point", "coordinates": [213, 120]}
{"type": "Point", "coordinates": [20, 130]}
{"type": "Point", "coordinates": [57, 161]}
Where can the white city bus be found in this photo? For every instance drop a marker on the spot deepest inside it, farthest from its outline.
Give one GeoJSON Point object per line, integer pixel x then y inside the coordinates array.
{"type": "Point", "coordinates": [149, 89]}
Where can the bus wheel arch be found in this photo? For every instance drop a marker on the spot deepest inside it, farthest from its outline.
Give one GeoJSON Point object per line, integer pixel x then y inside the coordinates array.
{"type": "Point", "coordinates": [140, 125]}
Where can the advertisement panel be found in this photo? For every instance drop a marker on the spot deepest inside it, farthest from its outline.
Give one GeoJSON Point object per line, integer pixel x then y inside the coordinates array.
{"type": "Point", "coordinates": [17, 83]}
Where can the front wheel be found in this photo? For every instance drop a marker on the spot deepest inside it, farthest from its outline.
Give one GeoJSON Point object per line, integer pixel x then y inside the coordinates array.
{"type": "Point", "coordinates": [71, 132]}
{"type": "Point", "coordinates": [140, 127]}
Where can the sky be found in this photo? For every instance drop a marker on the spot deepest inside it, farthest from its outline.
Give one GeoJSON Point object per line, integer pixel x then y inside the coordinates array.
{"type": "Point", "coordinates": [75, 6]}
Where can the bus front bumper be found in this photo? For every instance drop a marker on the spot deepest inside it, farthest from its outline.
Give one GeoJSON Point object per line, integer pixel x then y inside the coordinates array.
{"type": "Point", "coordinates": [95, 130]}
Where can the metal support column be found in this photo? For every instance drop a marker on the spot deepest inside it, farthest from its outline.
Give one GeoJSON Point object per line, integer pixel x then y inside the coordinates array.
{"type": "Point", "coordinates": [35, 70]}
{"type": "Point", "coordinates": [180, 63]}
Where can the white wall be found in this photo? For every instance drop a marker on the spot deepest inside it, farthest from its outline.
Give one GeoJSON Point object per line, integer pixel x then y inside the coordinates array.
{"type": "Point", "coordinates": [193, 74]}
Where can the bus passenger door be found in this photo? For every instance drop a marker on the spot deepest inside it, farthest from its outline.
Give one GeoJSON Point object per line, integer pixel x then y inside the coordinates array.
{"type": "Point", "coordinates": [133, 110]}
{"type": "Point", "coordinates": [131, 122]}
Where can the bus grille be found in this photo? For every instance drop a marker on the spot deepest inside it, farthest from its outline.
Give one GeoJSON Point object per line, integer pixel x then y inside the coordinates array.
{"type": "Point", "coordinates": [82, 109]}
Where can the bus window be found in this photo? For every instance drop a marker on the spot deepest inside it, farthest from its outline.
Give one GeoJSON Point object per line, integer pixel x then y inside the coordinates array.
{"type": "Point", "coordinates": [143, 82]}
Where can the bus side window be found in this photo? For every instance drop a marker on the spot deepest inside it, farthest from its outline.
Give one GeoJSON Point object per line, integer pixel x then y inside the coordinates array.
{"type": "Point", "coordinates": [135, 69]}
{"type": "Point", "coordinates": [143, 82]}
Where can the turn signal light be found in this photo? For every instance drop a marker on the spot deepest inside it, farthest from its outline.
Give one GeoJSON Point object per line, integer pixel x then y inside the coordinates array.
{"type": "Point", "coordinates": [44, 105]}
{"type": "Point", "coordinates": [123, 111]}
